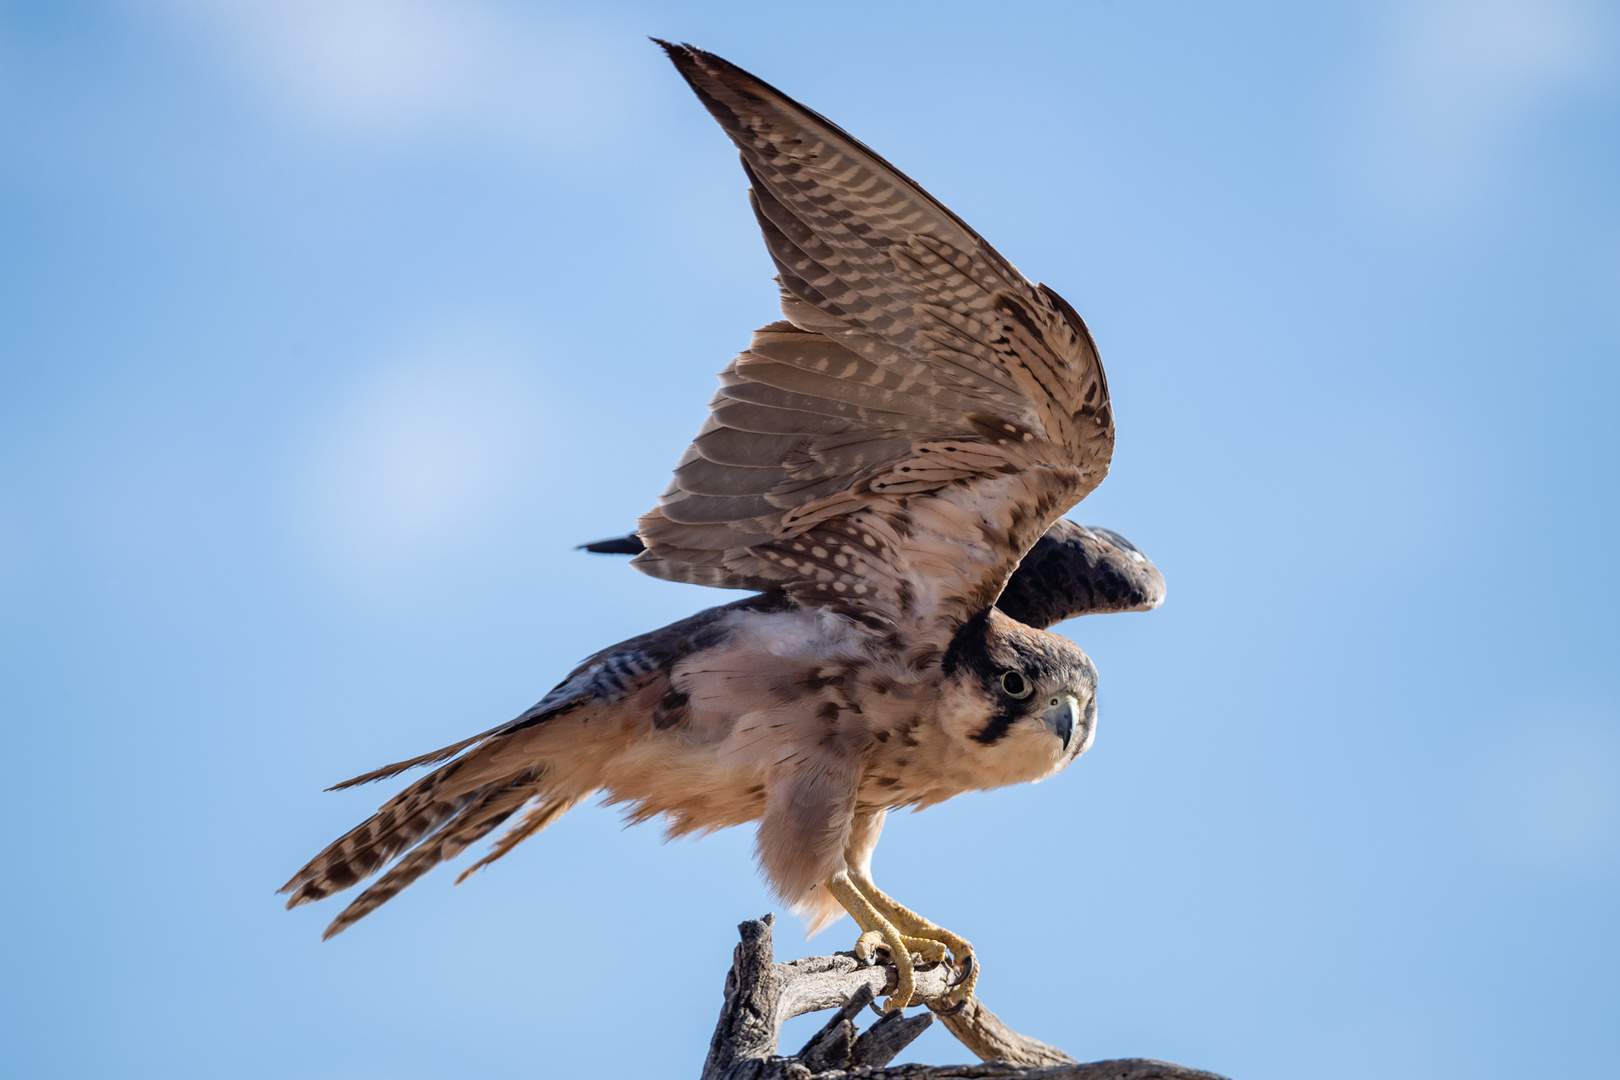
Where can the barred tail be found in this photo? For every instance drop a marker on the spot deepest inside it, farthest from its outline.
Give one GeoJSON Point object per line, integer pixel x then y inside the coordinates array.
{"type": "Point", "coordinates": [430, 821]}
{"type": "Point", "coordinates": [481, 813]}
{"type": "Point", "coordinates": [489, 778]}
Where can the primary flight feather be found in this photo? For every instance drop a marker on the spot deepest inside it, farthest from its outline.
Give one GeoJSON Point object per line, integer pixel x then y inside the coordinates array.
{"type": "Point", "coordinates": [887, 467]}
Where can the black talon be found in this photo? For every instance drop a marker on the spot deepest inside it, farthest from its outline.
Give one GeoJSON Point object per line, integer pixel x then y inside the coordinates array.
{"type": "Point", "coordinates": [874, 1006]}
{"type": "Point", "coordinates": [952, 1011]}
{"type": "Point", "coordinates": [967, 969]}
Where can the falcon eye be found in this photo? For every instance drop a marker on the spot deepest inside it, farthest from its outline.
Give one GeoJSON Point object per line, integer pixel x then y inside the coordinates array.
{"type": "Point", "coordinates": [1014, 685]}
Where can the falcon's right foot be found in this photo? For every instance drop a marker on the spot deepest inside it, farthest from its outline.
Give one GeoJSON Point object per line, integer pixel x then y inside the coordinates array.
{"type": "Point", "coordinates": [881, 919]}
{"type": "Point", "coordinates": [918, 931]}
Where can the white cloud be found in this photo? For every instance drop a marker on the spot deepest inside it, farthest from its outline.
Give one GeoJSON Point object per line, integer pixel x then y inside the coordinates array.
{"type": "Point", "coordinates": [1457, 84]}
{"type": "Point", "coordinates": [1553, 792]}
{"type": "Point", "coordinates": [406, 68]}
{"type": "Point", "coordinates": [415, 463]}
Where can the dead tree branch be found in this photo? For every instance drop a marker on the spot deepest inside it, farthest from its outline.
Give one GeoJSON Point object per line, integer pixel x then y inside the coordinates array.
{"type": "Point", "coordinates": [761, 995]}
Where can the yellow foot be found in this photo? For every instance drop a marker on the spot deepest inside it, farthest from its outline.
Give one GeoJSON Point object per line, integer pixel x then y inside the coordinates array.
{"type": "Point", "coordinates": [886, 924]}
{"type": "Point", "coordinates": [876, 933]}
{"type": "Point", "coordinates": [927, 950]}
{"type": "Point", "coordinates": [917, 931]}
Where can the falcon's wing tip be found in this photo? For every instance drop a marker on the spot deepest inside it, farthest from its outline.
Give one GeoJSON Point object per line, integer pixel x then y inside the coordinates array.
{"type": "Point", "coordinates": [687, 57]}
{"type": "Point", "coordinates": [685, 53]}
{"type": "Point", "coordinates": [706, 73]}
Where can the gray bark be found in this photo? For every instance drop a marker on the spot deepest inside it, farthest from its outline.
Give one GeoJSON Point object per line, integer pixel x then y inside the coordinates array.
{"type": "Point", "coordinates": [761, 995]}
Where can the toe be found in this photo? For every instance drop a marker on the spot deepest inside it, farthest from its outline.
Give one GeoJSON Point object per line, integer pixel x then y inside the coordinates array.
{"type": "Point", "coordinates": [905, 979]}
{"type": "Point", "coordinates": [931, 951]}
{"type": "Point", "coordinates": [867, 945]}
{"type": "Point", "coordinates": [962, 987]}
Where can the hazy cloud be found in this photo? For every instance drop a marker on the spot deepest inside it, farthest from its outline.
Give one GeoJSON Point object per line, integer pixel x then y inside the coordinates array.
{"type": "Point", "coordinates": [407, 68]}
{"type": "Point", "coordinates": [1454, 85]}
{"type": "Point", "coordinates": [416, 461]}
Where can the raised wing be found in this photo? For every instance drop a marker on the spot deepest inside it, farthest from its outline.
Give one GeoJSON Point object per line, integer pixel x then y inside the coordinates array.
{"type": "Point", "coordinates": [917, 422]}
{"type": "Point", "coordinates": [1078, 570]}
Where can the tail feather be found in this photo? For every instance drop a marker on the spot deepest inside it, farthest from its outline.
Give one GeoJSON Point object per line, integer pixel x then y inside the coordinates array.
{"type": "Point", "coordinates": [405, 766]}
{"type": "Point", "coordinates": [412, 866]}
{"type": "Point", "coordinates": [481, 812]}
{"type": "Point", "coordinates": [401, 823]}
{"type": "Point", "coordinates": [538, 817]}
{"type": "Point", "coordinates": [409, 816]}
{"type": "Point", "coordinates": [488, 778]}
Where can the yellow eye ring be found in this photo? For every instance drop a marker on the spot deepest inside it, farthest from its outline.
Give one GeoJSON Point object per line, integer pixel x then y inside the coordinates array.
{"type": "Point", "coordinates": [1015, 686]}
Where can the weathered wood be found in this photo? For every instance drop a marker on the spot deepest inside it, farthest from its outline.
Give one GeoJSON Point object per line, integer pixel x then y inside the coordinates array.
{"type": "Point", "coordinates": [762, 995]}
{"type": "Point", "coordinates": [886, 1038]}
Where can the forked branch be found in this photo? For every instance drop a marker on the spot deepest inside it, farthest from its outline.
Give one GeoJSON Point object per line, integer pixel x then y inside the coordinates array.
{"type": "Point", "coordinates": [761, 995]}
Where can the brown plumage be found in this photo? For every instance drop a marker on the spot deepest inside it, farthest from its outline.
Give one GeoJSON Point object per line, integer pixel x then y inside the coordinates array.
{"type": "Point", "coordinates": [1072, 570]}
{"type": "Point", "coordinates": [876, 466]}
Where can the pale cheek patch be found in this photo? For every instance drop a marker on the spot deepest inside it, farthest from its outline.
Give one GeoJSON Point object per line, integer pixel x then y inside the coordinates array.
{"type": "Point", "coordinates": [1028, 754]}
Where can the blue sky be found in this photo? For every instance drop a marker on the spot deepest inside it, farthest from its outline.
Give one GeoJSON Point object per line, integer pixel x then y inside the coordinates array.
{"type": "Point", "coordinates": [327, 328]}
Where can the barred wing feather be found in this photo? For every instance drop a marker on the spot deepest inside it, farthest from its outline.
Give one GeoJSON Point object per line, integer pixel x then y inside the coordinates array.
{"type": "Point", "coordinates": [921, 416]}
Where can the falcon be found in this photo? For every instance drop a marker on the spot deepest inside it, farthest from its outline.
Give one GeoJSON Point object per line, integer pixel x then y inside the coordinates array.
{"type": "Point", "coordinates": [885, 470]}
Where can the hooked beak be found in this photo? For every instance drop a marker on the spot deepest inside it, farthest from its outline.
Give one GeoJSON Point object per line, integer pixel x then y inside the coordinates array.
{"type": "Point", "coordinates": [1061, 715]}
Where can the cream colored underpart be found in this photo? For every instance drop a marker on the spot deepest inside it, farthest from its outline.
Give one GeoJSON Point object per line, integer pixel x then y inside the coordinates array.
{"type": "Point", "coordinates": [770, 735]}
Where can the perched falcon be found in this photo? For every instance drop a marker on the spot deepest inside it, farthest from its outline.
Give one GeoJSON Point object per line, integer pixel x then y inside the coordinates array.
{"type": "Point", "coordinates": [886, 468]}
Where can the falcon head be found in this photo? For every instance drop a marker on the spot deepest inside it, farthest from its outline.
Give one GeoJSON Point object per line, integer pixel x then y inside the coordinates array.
{"type": "Point", "coordinates": [1028, 697]}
